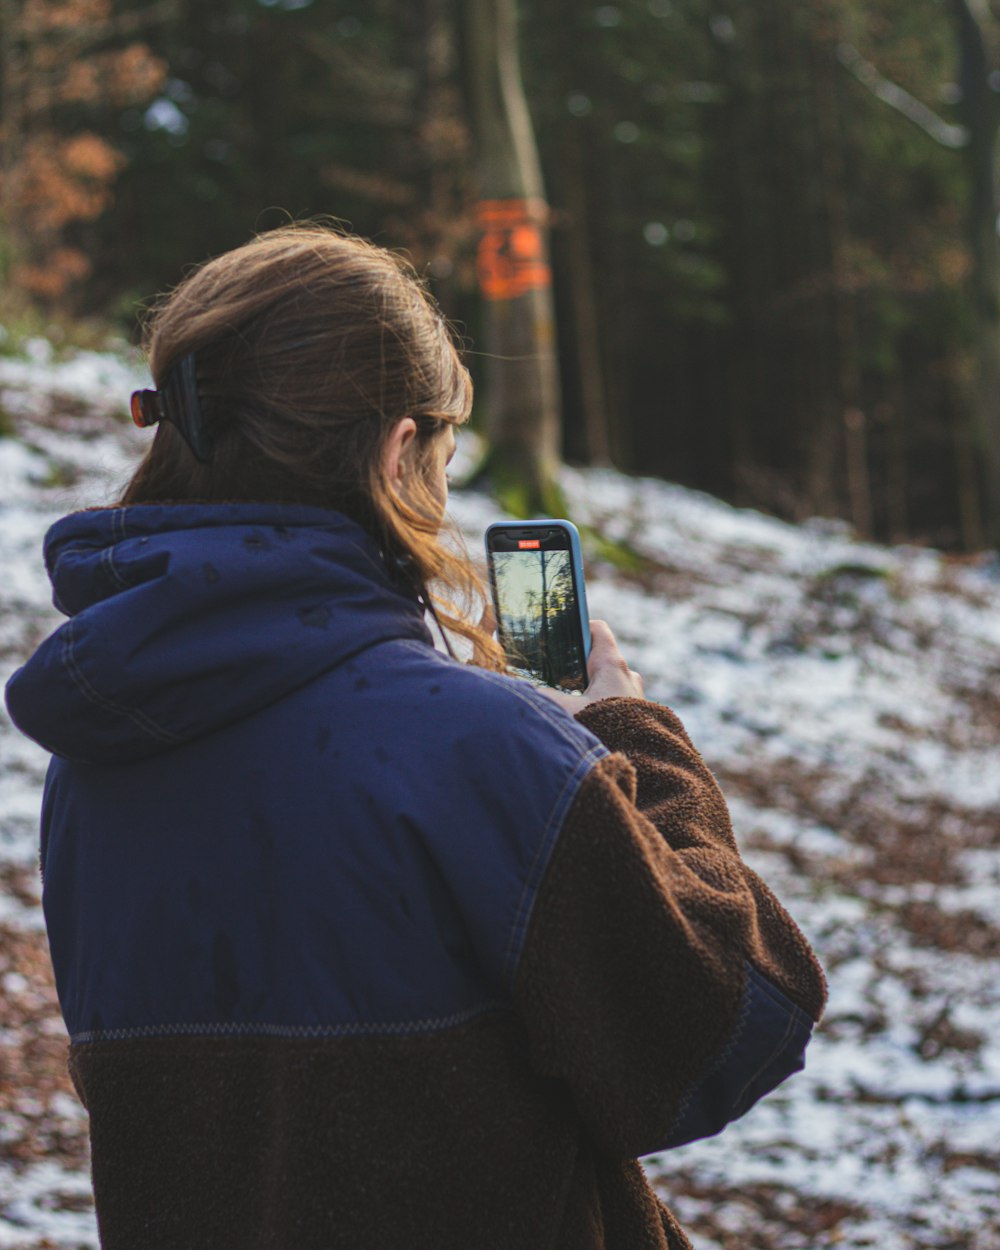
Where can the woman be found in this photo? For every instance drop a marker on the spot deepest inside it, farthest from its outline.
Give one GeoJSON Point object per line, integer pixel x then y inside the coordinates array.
{"type": "Point", "coordinates": [359, 946]}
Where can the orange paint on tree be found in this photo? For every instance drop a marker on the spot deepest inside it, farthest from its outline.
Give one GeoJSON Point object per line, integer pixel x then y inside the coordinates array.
{"type": "Point", "coordinates": [511, 258]}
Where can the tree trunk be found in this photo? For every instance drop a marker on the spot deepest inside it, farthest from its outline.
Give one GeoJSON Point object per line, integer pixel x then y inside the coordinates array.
{"type": "Point", "coordinates": [586, 330]}
{"type": "Point", "coordinates": [982, 119]}
{"type": "Point", "coordinates": [436, 152]}
{"type": "Point", "coordinates": [515, 281]}
{"type": "Point", "coordinates": [11, 122]}
{"type": "Point", "coordinates": [825, 73]}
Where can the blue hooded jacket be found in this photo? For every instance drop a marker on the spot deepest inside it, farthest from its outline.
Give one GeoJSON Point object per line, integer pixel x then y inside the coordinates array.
{"type": "Point", "coordinates": [266, 806]}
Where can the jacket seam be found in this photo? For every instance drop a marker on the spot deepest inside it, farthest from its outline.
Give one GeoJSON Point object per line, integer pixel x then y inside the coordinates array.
{"type": "Point", "coordinates": [763, 1066]}
{"type": "Point", "coordinates": [139, 719]}
{"type": "Point", "coordinates": [779, 997]}
{"type": "Point", "coordinates": [120, 533]}
{"type": "Point", "coordinates": [108, 561]}
{"type": "Point", "coordinates": [241, 1028]}
{"type": "Point", "coordinates": [536, 702]}
{"type": "Point", "coordinates": [543, 853]}
{"type": "Point", "coordinates": [720, 1059]}
{"type": "Point", "coordinates": [795, 1017]}
{"type": "Point", "coordinates": [553, 823]}
{"type": "Point", "coordinates": [791, 1023]}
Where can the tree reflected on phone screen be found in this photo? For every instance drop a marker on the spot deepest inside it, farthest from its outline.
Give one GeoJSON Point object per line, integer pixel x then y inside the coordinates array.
{"type": "Point", "coordinates": [538, 617]}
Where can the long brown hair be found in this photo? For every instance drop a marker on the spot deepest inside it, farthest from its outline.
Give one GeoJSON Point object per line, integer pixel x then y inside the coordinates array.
{"type": "Point", "coordinates": [310, 345]}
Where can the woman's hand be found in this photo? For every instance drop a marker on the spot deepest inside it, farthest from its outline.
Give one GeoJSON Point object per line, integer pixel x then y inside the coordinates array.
{"type": "Point", "coordinates": [610, 675]}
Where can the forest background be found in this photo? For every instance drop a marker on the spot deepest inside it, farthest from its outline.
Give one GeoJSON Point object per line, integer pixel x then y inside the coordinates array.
{"type": "Point", "coordinates": [772, 224]}
{"type": "Point", "coordinates": [771, 232]}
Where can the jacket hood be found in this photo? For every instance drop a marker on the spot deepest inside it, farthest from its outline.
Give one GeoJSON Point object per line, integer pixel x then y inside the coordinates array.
{"type": "Point", "coordinates": [186, 617]}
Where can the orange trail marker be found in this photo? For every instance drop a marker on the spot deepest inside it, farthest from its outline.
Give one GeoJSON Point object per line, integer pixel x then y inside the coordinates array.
{"type": "Point", "coordinates": [511, 257]}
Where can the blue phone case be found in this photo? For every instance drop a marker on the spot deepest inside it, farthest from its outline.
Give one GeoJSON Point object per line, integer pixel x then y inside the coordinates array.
{"type": "Point", "coordinates": [576, 556]}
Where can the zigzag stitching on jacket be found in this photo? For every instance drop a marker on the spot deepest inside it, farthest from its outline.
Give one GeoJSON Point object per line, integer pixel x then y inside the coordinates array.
{"type": "Point", "coordinates": [108, 705]}
{"type": "Point", "coordinates": [721, 1058]}
{"type": "Point", "coordinates": [233, 1028]}
{"type": "Point", "coordinates": [536, 872]}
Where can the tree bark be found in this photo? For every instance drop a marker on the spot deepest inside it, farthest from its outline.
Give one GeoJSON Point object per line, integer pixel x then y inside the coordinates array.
{"type": "Point", "coordinates": [981, 111]}
{"type": "Point", "coordinates": [842, 320]}
{"type": "Point", "coordinates": [586, 329]}
{"type": "Point", "coordinates": [11, 123]}
{"type": "Point", "coordinates": [523, 405]}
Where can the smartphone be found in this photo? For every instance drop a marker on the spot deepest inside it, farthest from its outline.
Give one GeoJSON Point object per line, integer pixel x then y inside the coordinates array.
{"type": "Point", "coordinates": [536, 576]}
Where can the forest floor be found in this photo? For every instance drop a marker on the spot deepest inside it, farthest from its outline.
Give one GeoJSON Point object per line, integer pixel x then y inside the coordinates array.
{"type": "Point", "coordinates": [848, 698]}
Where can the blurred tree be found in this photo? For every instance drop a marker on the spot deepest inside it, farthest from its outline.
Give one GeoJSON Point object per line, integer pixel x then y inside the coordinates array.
{"type": "Point", "coordinates": [845, 252]}
{"type": "Point", "coordinates": [620, 91]}
{"type": "Point", "coordinates": [439, 229]}
{"type": "Point", "coordinates": [283, 109]}
{"type": "Point", "coordinates": [977, 26]}
{"type": "Point", "coordinates": [62, 62]}
{"type": "Point", "coordinates": [765, 275]}
{"type": "Point", "coordinates": [977, 103]}
{"type": "Point", "coordinates": [522, 382]}
{"type": "Point", "coordinates": [782, 198]}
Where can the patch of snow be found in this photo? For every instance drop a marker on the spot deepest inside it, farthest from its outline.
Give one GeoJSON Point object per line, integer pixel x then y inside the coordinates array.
{"type": "Point", "coordinates": [45, 1201]}
{"type": "Point", "coordinates": [99, 380]}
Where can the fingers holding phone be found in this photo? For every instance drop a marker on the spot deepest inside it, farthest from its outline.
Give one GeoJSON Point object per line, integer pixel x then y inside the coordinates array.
{"type": "Point", "coordinates": [540, 610]}
{"type": "Point", "coordinates": [609, 674]}
{"type": "Point", "coordinates": [607, 669]}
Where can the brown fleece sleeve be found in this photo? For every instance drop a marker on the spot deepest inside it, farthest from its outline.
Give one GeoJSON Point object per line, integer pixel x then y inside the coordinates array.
{"type": "Point", "coordinates": [633, 971]}
{"type": "Point", "coordinates": [676, 792]}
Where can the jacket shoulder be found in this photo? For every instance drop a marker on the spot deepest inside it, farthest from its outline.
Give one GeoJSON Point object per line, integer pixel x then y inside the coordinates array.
{"type": "Point", "coordinates": [493, 708]}
{"type": "Point", "coordinates": [498, 766]}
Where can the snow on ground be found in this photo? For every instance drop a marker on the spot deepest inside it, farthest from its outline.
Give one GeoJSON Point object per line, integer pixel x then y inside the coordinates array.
{"type": "Point", "coordinates": [847, 696]}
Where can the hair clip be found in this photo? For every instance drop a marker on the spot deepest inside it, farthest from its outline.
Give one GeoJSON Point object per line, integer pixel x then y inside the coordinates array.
{"type": "Point", "coordinates": [145, 408]}
{"type": "Point", "coordinates": [177, 402]}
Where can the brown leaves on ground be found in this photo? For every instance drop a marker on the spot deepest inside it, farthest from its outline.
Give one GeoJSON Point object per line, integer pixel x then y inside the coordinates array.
{"type": "Point", "coordinates": [760, 1217]}
{"type": "Point", "coordinates": [38, 1107]}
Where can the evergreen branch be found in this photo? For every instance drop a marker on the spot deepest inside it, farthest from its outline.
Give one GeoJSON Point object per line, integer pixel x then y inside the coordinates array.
{"type": "Point", "coordinates": [899, 98]}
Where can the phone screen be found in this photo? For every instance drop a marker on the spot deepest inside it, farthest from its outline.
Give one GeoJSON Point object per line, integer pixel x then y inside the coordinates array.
{"type": "Point", "coordinates": [537, 604]}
